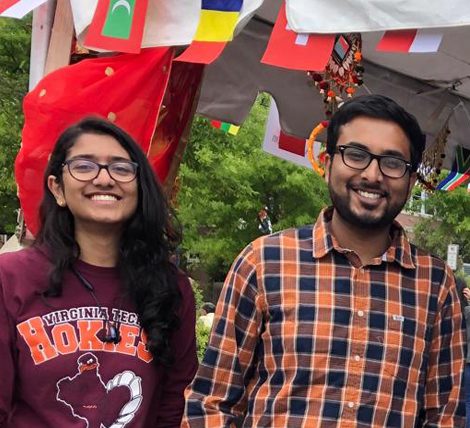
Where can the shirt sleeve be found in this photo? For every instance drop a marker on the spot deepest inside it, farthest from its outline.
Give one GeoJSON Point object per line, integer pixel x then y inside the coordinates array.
{"type": "Point", "coordinates": [444, 404]}
{"type": "Point", "coordinates": [7, 366]}
{"type": "Point", "coordinates": [171, 402]}
{"type": "Point", "coordinates": [217, 394]}
{"type": "Point", "coordinates": [466, 311]}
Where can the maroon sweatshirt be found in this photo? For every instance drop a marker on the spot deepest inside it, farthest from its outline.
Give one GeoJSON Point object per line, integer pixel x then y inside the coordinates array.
{"type": "Point", "coordinates": [55, 372]}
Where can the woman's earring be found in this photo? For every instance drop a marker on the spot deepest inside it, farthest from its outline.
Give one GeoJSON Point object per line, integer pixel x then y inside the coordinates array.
{"type": "Point", "coordinates": [61, 203]}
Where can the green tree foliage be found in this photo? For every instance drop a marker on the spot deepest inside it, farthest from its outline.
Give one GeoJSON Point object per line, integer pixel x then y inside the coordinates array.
{"type": "Point", "coordinates": [450, 223]}
{"type": "Point", "coordinates": [15, 36]}
{"type": "Point", "coordinates": [226, 180]}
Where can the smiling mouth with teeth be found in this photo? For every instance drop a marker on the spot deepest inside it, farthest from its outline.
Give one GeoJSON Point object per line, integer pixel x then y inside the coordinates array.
{"type": "Point", "coordinates": [369, 194]}
{"type": "Point", "coordinates": [104, 198]}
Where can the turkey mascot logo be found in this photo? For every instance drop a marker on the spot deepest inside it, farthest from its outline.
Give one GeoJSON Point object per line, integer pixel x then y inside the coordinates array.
{"type": "Point", "coordinates": [95, 402]}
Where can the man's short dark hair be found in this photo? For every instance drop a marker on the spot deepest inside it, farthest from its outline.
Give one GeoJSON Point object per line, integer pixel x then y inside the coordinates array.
{"type": "Point", "coordinates": [378, 107]}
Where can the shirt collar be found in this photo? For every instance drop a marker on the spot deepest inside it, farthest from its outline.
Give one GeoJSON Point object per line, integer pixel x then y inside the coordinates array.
{"type": "Point", "coordinates": [322, 238]}
{"type": "Point", "coordinates": [324, 242]}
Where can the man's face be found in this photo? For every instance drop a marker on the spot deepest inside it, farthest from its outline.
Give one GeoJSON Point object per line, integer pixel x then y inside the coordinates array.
{"type": "Point", "coordinates": [367, 198]}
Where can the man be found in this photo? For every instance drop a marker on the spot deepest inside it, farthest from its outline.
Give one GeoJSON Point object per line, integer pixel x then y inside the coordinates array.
{"type": "Point", "coordinates": [343, 324]}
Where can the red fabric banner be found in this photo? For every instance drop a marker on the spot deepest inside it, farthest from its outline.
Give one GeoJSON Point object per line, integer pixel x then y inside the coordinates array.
{"type": "Point", "coordinates": [127, 89]}
{"type": "Point", "coordinates": [175, 116]}
{"type": "Point", "coordinates": [288, 49]}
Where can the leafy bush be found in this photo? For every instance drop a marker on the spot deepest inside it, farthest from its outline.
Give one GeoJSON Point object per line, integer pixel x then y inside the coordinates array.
{"type": "Point", "coordinates": [202, 339]}
{"type": "Point", "coordinates": [202, 332]}
{"type": "Point", "coordinates": [226, 180]}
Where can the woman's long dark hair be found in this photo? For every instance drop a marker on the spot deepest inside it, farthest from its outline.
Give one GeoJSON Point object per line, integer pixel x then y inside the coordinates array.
{"type": "Point", "coordinates": [149, 277]}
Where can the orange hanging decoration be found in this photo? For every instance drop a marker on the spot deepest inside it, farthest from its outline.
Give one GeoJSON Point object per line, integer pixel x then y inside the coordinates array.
{"type": "Point", "coordinates": [310, 142]}
{"type": "Point", "coordinates": [342, 76]}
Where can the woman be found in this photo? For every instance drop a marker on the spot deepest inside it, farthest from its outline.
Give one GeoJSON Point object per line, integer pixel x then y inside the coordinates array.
{"type": "Point", "coordinates": [97, 323]}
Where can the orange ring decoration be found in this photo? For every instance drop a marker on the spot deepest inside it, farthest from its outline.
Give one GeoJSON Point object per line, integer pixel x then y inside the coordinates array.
{"type": "Point", "coordinates": [311, 140]}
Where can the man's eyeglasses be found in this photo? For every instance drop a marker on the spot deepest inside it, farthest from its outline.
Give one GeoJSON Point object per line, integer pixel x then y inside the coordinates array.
{"type": "Point", "coordinates": [87, 170]}
{"type": "Point", "coordinates": [360, 159]}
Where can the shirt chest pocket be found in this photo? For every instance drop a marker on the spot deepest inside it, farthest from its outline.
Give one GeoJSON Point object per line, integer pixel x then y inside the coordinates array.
{"type": "Point", "coordinates": [403, 347]}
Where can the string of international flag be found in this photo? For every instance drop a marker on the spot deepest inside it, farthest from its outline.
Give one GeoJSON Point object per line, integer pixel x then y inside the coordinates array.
{"type": "Point", "coordinates": [118, 25]}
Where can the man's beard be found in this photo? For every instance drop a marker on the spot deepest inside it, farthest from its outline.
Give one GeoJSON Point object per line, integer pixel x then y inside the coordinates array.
{"type": "Point", "coordinates": [342, 205]}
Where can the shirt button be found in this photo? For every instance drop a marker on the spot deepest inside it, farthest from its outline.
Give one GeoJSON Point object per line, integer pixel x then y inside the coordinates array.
{"type": "Point", "coordinates": [350, 404]}
{"type": "Point", "coordinates": [357, 357]}
{"type": "Point", "coordinates": [360, 313]}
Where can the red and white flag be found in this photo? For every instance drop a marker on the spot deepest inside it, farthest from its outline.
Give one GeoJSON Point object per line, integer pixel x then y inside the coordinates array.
{"type": "Point", "coordinates": [281, 145]}
{"type": "Point", "coordinates": [413, 41]}
{"type": "Point", "coordinates": [18, 8]}
{"type": "Point", "coordinates": [296, 51]}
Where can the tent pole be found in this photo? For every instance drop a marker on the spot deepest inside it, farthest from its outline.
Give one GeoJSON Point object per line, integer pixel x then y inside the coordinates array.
{"type": "Point", "coordinates": [43, 17]}
{"type": "Point", "coordinates": [51, 42]}
{"type": "Point", "coordinates": [60, 44]}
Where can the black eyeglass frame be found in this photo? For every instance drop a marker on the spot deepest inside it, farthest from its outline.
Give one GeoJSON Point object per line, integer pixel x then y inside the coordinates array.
{"type": "Point", "coordinates": [342, 148]}
{"type": "Point", "coordinates": [100, 167]}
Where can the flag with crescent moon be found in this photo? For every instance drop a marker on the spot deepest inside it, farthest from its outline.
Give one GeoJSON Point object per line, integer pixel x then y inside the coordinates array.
{"type": "Point", "coordinates": [168, 23]}
{"type": "Point", "coordinates": [126, 89]}
{"type": "Point", "coordinates": [118, 25]}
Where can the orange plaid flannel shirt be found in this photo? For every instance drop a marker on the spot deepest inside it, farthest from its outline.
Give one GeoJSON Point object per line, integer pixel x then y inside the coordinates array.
{"type": "Point", "coordinates": [304, 336]}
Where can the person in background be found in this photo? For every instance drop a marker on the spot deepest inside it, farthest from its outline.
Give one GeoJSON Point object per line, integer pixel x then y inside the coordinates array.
{"type": "Point", "coordinates": [264, 221]}
{"type": "Point", "coordinates": [207, 314]}
{"type": "Point", "coordinates": [98, 326]}
{"type": "Point", "coordinates": [344, 323]}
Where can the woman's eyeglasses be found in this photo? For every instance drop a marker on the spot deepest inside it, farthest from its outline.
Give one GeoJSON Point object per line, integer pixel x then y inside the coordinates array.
{"type": "Point", "coordinates": [87, 170]}
{"type": "Point", "coordinates": [360, 159]}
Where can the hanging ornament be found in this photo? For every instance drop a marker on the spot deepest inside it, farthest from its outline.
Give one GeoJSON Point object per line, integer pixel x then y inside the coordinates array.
{"type": "Point", "coordinates": [317, 165]}
{"type": "Point", "coordinates": [343, 73]}
{"type": "Point", "coordinates": [433, 157]}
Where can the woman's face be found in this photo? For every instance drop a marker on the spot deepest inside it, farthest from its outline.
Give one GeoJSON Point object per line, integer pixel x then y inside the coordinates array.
{"type": "Point", "coordinates": [100, 201]}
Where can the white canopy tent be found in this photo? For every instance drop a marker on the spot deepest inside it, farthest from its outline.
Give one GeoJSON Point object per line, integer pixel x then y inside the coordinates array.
{"type": "Point", "coordinates": [433, 86]}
